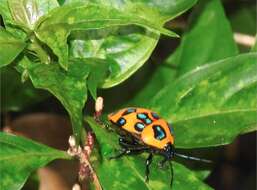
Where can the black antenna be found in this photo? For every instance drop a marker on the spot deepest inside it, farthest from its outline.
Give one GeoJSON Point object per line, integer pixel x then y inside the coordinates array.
{"type": "Point", "coordinates": [192, 158]}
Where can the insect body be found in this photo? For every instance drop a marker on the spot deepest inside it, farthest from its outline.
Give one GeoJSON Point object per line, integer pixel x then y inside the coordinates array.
{"type": "Point", "coordinates": [144, 131]}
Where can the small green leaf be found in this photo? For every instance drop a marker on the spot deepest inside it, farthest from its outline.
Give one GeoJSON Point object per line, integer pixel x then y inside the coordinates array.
{"type": "Point", "coordinates": [213, 103]}
{"type": "Point", "coordinates": [9, 23]}
{"type": "Point", "coordinates": [96, 77]}
{"type": "Point", "coordinates": [5, 12]}
{"type": "Point", "coordinates": [114, 174]}
{"type": "Point", "coordinates": [26, 12]}
{"type": "Point", "coordinates": [19, 157]}
{"type": "Point", "coordinates": [10, 47]}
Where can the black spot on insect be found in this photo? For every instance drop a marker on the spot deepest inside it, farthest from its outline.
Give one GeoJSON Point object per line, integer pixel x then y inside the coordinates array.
{"type": "Point", "coordinates": [159, 132]}
{"type": "Point", "coordinates": [121, 122]}
{"type": "Point", "coordinates": [129, 110]}
{"type": "Point", "coordinates": [139, 126]}
{"type": "Point", "coordinates": [155, 115]}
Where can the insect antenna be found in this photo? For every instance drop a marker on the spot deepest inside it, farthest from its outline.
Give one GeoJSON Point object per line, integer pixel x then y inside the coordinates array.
{"type": "Point", "coordinates": [192, 158]}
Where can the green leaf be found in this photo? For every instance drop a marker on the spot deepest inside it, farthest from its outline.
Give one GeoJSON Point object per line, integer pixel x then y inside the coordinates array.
{"type": "Point", "coordinates": [113, 174]}
{"type": "Point", "coordinates": [56, 27]}
{"type": "Point", "coordinates": [26, 12]}
{"type": "Point", "coordinates": [8, 20]}
{"type": "Point", "coordinates": [5, 12]}
{"type": "Point", "coordinates": [166, 9]}
{"type": "Point", "coordinates": [97, 75]}
{"type": "Point", "coordinates": [69, 87]}
{"type": "Point", "coordinates": [209, 30]}
{"type": "Point", "coordinates": [129, 47]}
{"type": "Point", "coordinates": [94, 16]}
{"type": "Point", "coordinates": [19, 157]}
{"type": "Point", "coordinates": [198, 43]}
{"type": "Point", "coordinates": [10, 47]}
{"type": "Point", "coordinates": [213, 103]}
{"type": "Point", "coordinates": [16, 95]}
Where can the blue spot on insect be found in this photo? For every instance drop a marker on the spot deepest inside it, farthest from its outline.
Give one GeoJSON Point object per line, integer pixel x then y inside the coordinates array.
{"type": "Point", "coordinates": [139, 126]}
{"type": "Point", "coordinates": [121, 122]}
{"type": "Point", "coordinates": [155, 115]}
{"type": "Point", "coordinates": [141, 116]}
{"type": "Point", "coordinates": [148, 121]}
{"type": "Point", "coordinates": [129, 110]}
{"type": "Point", "coordinates": [159, 132]}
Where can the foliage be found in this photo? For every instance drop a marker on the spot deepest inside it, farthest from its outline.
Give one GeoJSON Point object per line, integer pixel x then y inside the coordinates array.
{"type": "Point", "coordinates": [20, 157]}
{"type": "Point", "coordinates": [76, 46]}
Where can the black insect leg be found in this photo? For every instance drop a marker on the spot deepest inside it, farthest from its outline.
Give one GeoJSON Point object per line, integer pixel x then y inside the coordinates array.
{"type": "Point", "coordinates": [161, 163]}
{"type": "Point", "coordinates": [129, 149]}
{"type": "Point", "coordinates": [122, 153]}
{"type": "Point", "coordinates": [147, 164]}
{"type": "Point", "coordinates": [128, 143]}
{"type": "Point", "coordinates": [171, 170]}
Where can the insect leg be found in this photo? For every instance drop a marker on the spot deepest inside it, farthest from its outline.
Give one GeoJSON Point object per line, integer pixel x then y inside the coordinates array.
{"type": "Point", "coordinates": [171, 169]}
{"type": "Point", "coordinates": [192, 158]}
{"type": "Point", "coordinates": [122, 153]}
{"type": "Point", "coordinates": [148, 163]}
{"type": "Point", "coordinates": [127, 150]}
{"type": "Point", "coordinates": [126, 143]}
{"type": "Point", "coordinates": [161, 163]}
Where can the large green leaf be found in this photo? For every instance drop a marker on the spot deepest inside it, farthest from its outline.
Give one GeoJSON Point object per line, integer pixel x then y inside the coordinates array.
{"type": "Point", "coordinates": [26, 12]}
{"type": "Point", "coordinates": [10, 47]}
{"type": "Point", "coordinates": [212, 103]}
{"type": "Point", "coordinates": [208, 32]}
{"type": "Point", "coordinates": [164, 8]}
{"type": "Point", "coordinates": [200, 44]}
{"type": "Point", "coordinates": [16, 95]}
{"type": "Point", "coordinates": [19, 157]}
{"type": "Point", "coordinates": [129, 47]}
{"type": "Point", "coordinates": [56, 26]}
{"type": "Point", "coordinates": [128, 172]}
{"type": "Point", "coordinates": [69, 87]}
{"type": "Point", "coordinates": [125, 13]}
